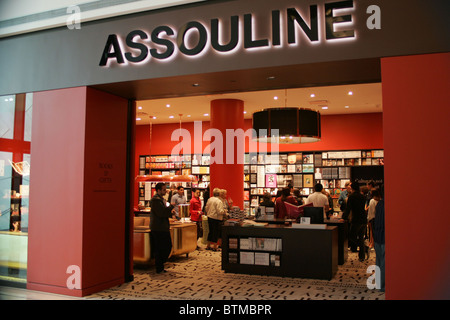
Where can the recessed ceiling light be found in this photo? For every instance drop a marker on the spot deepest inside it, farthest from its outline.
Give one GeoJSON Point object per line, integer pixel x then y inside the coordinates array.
{"type": "Point", "coordinates": [350, 93]}
{"type": "Point", "coordinates": [312, 95]}
{"type": "Point", "coordinates": [205, 114]}
{"type": "Point", "coordinates": [154, 117]}
{"type": "Point", "coordinates": [188, 115]}
{"type": "Point", "coordinates": [346, 107]}
{"type": "Point", "coordinates": [245, 111]}
{"type": "Point", "coordinates": [275, 98]}
{"type": "Point", "coordinates": [171, 117]}
{"type": "Point", "coordinates": [195, 84]}
{"type": "Point", "coordinates": [271, 78]}
{"type": "Point", "coordinates": [138, 119]}
{"type": "Point", "coordinates": [324, 107]}
{"type": "Point", "coordinates": [140, 108]}
{"type": "Point", "coordinates": [168, 105]}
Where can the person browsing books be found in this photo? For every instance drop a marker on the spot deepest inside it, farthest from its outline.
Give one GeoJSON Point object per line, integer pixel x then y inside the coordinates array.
{"type": "Point", "coordinates": [215, 212]}
{"type": "Point", "coordinates": [280, 207]}
{"type": "Point", "coordinates": [177, 199]}
{"type": "Point", "coordinates": [318, 199]}
{"type": "Point", "coordinates": [267, 202]}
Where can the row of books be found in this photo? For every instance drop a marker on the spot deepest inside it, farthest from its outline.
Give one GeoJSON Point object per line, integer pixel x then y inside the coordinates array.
{"type": "Point", "coordinates": [255, 258]}
{"type": "Point", "coordinates": [259, 244]}
{"type": "Point", "coordinates": [262, 158]}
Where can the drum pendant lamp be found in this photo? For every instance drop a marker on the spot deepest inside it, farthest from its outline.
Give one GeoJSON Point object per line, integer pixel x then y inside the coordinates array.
{"type": "Point", "coordinates": [286, 125]}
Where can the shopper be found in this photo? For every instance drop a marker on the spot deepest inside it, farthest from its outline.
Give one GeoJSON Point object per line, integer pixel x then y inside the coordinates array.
{"type": "Point", "coordinates": [298, 197]}
{"type": "Point", "coordinates": [378, 237]}
{"type": "Point", "coordinates": [177, 199]}
{"type": "Point", "coordinates": [318, 199]}
{"type": "Point", "coordinates": [371, 214]}
{"type": "Point", "coordinates": [205, 197]}
{"type": "Point", "coordinates": [195, 211]}
{"type": "Point", "coordinates": [160, 213]}
{"type": "Point", "coordinates": [329, 212]}
{"type": "Point", "coordinates": [215, 212]}
{"type": "Point", "coordinates": [344, 195]}
{"type": "Point", "coordinates": [267, 202]}
{"type": "Point", "coordinates": [173, 190]}
{"type": "Point", "coordinates": [356, 205]}
{"type": "Point", "coordinates": [280, 207]}
{"type": "Point", "coordinates": [370, 188]}
{"type": "Point", "coordinates": [227, 203]}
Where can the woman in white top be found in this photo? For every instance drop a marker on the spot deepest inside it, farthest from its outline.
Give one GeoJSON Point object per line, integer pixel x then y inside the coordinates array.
{"type": "Point", "coordinates": [371, 214]}
{"type": "Point", "coordinates": [215, 212]}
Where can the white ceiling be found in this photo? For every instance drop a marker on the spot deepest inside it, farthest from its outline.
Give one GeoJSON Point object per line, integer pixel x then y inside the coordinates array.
{"type": "Point", "coordinates": [366, 98]}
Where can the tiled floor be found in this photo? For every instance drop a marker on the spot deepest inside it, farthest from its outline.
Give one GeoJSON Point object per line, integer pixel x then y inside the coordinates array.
{"type": "Point", "coordinates": [200, 277]}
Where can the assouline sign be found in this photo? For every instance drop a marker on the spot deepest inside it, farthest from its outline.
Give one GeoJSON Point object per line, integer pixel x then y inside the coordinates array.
{"type": "Point", "coordinates": [164, 42]}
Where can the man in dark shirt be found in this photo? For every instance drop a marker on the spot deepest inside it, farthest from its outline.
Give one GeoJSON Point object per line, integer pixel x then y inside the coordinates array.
{"type": "Point", "coordinates": [160, 213]}
{"type": "Point", "coordinates": [356, 206]}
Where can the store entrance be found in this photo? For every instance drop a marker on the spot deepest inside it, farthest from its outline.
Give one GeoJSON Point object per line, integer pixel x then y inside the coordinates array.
{"type": "Point", "coordinates": [352, 125]}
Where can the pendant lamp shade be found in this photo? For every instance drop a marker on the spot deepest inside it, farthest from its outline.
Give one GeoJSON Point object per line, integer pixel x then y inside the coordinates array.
{"type": "Point", "coordinates": [294, 125]}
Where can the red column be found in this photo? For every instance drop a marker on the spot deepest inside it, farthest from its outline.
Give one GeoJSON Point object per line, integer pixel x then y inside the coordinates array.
{"type": "Point", "coordinates": [77, 191]}
{"type": "Point", "coordinates": [228, 114]}
{"type": "Point", "coordinates": [416, 140]}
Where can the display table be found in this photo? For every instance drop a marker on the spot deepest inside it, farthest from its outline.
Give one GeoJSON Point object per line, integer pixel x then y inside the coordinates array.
{"type": "Point", "coordinates": [183, 235]}
{"type": "Point", "coordinates": [278, 250]}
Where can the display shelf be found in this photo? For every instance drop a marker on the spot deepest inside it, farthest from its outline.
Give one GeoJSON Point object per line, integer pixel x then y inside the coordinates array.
{"type": "Point", "coordinates": [280, 251]}
{"type": "Point", "coordinates": [271, 172]}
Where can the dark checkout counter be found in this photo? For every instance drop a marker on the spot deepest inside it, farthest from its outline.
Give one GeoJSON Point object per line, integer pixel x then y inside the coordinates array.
{"type": "Point", "coordinates": [281, 250]}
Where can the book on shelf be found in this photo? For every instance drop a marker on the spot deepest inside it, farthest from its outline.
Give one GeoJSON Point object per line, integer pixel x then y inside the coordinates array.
{"type": "Point", "coordinates": [275, 260]}
{"type": "Point", "coordinates": [271, 180]}
{"type": "Point", "coordinates": [308, 181]}
{"type": "Point", "coordinates": [247, 257]}
{"type": "Point", "coordinates": [232, 257]}
{"type": "Point", "coordinates": [262, 259]}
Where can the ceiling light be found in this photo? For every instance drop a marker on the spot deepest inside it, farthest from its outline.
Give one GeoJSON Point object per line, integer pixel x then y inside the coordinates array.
{"type": "Point", "coordinates": [245, 111]}
{"type": "Point", "coordinates": [195, 85]}
{"type": "Point", "coordinates": [205, 114]}
{"type": "Point", "coordinates": [154, 117]}
{"type": "Point", "coordinates": [188, 115]}
{"type": "Point", "coordinates": [138, 119]}
{"type": "Point", "coordinates": [168, 105]}
{"type": "Point", "coordinates": [297, 124]}
{"type": "Point", "coordinates": [324, 107]}
{"type": "Point", "coordinates": [275, 98]}
{"type": "Point", "coordinates": [312, 95]}
{"type": "Point", "coordinates": [350, 93]}
{"type": "Point", "coordinates": [171, 117]}
{"type": "Point", "coordinates": [346, 107]}
{"type": "Point", "coordinates": [140, 108]}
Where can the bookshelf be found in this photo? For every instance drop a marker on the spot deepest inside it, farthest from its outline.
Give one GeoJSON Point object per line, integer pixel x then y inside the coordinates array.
{"type": "Point", "coordinates": [269, 172]}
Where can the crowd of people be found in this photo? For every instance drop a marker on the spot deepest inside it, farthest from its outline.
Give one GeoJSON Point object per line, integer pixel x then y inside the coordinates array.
{"type": "Point", "coordinates": [362, 207]}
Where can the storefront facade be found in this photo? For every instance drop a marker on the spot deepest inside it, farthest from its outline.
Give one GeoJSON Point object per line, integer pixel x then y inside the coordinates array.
{"type": "Point", "coordinates": [79, 220]}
